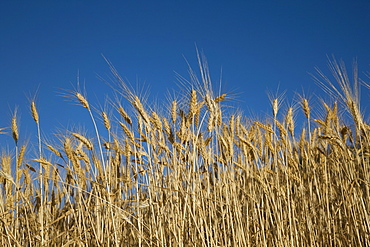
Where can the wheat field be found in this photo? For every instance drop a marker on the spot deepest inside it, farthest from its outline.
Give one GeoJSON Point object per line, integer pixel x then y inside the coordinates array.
{"type": "Point", "coordinates": [194, 173]}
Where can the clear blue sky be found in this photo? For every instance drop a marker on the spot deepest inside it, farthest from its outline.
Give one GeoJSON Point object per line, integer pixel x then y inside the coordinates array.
{"type": "Point", "coordinates": [258, 45]}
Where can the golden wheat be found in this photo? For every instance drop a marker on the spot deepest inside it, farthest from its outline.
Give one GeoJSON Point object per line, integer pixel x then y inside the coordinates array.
{"type": "Point", "coordinates": [125, 116]}
{"type": "Point", "coordinates": [15, 128]}
{"type": "Point", "coordinates": [82, 100]}
{"type": "Point", "coordinates": [194, 176]}
{"type": "Point", "coordinates": [106, 120]}
{"type": "Point", "coordinates": [35, 114]}
{"type": "Point", "coordinates": [84, 140]}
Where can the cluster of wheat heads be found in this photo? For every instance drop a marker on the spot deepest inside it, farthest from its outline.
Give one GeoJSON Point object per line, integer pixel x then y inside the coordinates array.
{"type": "Point", "coordinates": [193, 175]}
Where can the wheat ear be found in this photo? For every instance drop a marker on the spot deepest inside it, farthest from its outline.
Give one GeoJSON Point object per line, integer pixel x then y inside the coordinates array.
{"type": "Point", "coordinates": [85, 104]}
{"type": "Point", "coordinates": [84, 140]}
{"type": "Point", "coordinates": [15, 129]}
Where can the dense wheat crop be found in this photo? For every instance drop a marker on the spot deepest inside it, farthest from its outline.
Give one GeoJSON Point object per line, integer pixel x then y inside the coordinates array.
{"type": "Point", "coordinates": [194, 174]}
